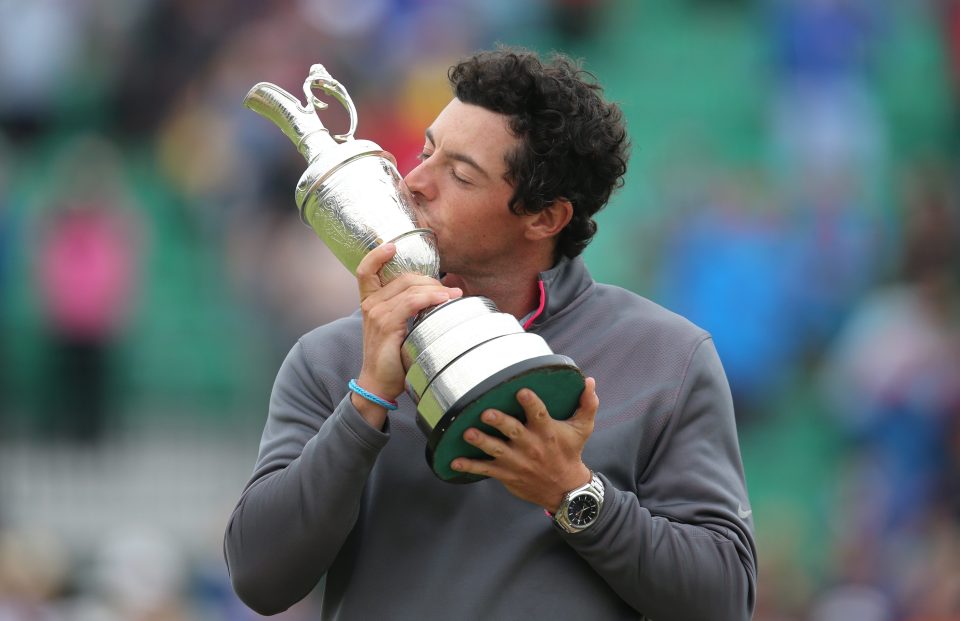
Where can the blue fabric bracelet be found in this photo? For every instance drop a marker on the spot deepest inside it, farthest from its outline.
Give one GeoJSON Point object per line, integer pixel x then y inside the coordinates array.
{"type": "Point", "coordinates": [369, 396]}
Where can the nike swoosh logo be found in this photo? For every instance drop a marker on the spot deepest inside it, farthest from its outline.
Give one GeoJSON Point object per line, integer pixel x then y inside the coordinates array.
{"type": "Point", "coordinates": [743, 514]}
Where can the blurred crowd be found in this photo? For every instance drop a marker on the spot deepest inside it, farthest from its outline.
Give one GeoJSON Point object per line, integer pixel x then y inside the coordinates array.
{"type": "Point", "coordinates": [152, 265]}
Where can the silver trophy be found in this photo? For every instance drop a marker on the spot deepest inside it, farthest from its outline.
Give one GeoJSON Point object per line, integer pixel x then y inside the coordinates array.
{"type": "Point", "coordinates": [461, 357]}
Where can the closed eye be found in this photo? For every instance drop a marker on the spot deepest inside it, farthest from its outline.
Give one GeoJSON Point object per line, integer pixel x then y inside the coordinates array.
{"type": "Point", "coordinates": [457, 178]}
{"type": "Point", "coordinates": [424, 155]}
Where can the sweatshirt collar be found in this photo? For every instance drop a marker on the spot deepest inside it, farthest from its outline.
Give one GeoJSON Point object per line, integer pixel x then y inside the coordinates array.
{"type": "Point", "coordinates": [559, 286]}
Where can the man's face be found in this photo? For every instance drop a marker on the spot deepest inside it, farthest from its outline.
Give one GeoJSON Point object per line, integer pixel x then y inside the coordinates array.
{"type": "Point", "coordinates": [462, 192]}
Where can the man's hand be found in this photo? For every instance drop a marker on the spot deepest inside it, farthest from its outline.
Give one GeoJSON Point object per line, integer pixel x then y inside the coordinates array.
{"type": "Point", "coordinates": [538, 462]}
{"type": "Point", "coordinates": [386, 310]}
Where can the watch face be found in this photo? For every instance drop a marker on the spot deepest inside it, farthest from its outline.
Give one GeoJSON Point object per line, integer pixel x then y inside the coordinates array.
{"type": "Point", "coordinates": [582, 510]}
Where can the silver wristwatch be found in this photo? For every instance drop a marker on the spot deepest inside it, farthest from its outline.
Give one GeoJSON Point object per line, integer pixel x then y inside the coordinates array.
{"type": "Point", "coordinates": [581, 507]}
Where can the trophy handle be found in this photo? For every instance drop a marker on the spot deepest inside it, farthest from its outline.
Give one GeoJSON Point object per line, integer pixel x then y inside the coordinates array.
{"type": "Point", "coordinates": [320, 78]}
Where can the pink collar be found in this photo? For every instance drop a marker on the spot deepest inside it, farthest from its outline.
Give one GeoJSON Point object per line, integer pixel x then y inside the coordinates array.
{"type": "Point", "coordinates": [539, 311]}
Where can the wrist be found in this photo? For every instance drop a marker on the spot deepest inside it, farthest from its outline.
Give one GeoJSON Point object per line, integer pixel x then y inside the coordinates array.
{"type": "Point", "coordinates": [371, 406]}
{"type": "Point", "coordinates": [368, 382]}
{"type": "Point", "coordinates": [578, 477]}
{"type": "Point", "coordinates": [375, 415]}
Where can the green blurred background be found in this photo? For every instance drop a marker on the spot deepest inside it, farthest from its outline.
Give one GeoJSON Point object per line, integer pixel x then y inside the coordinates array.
{"type": "Point", "coordinates": [792, 188]}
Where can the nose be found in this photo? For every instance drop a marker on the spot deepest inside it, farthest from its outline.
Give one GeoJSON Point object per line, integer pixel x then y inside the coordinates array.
{"type": "Point", "coordinates": [420, 183]}
{"type": "Point", "coordinates": [416, 183]}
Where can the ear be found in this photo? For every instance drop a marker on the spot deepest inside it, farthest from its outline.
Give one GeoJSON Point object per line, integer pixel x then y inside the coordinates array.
{"type": "Point", "coordinates": [550, 221]}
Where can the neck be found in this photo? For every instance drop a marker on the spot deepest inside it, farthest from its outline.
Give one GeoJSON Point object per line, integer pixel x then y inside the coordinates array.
{"type": "Point", "coordinates": [510, 282]}
{"type": "Point", "coordinates": [516, 295]}
{"type": "Point", "coordinates": [514, 291]}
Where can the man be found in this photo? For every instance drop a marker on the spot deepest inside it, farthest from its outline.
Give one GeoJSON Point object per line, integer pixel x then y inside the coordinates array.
{"type": "Point", "coordinates": [512, 171]}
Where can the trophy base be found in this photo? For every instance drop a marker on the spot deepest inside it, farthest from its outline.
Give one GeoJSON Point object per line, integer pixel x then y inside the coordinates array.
{"type": "Point", "coordinates": [554, 378]}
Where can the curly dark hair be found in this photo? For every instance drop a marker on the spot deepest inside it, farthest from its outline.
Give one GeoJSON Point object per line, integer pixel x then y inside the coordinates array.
{"type": "Point", "coordinates": [573, 143]}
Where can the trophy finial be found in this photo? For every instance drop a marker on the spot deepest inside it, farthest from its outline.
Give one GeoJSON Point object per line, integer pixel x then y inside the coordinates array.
{"type": "Point", "coordinates": [320, 78]}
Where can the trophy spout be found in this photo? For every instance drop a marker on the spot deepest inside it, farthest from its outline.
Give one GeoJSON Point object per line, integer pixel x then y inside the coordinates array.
{"type": "Point", "coordinates": [298, 123]}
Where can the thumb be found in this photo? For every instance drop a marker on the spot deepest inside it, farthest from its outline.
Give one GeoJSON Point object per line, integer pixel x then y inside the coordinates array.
{"type": "Point", "coordinates": [586, 412]}
{"type": "Point", "coordinates": [368, 271]}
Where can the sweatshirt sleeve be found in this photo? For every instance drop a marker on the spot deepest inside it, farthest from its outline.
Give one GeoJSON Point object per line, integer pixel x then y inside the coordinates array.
{"type": "Point", "coordinates": [682, 546]}
{"type": "Point", "coordinates": [304, 496]}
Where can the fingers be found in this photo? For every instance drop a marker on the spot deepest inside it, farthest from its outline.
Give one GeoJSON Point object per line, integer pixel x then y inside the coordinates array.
{"type": "Point", "coordinates": [538, 418]}
{"type": "Point", "coordinates": [387, 309]}
{"type": "Point", "coordinates": [368, 273]}
{"type": "Point", "coordinates": [418, 291]}
{"type": "Point", "coordinates": [537, 415]}
{"type": "Point", "coordinates": [533, 407]}
{"type": "Point", "coordinates": [499, 451]}
{"type": "Point", "coordinates": [482, 467]}
{"type": "Point", "coordinates": [493, 447]}
{"type": "Point", "coordinates": [510, 427]}
{"type": "Point", "coordinates": [541, 444]}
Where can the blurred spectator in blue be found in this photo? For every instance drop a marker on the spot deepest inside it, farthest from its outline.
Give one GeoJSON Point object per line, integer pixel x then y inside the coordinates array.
{"type": "Point", "coordinates": [838, 244]}
{"type": "Point", "coordinates": [729, 266]}
{"type": "Point", "coordinates": [40, 45]}
{"type": "Point", "coordinates": [823, 41]}
{"type": "Point", "coordinates": [893, 379]}
{"type": "Point", "coordinates": [825, 115]}
{"type": "Point", "coordinates": [830, 152]}
{"type": "Point", "coordinates": [86, 262]}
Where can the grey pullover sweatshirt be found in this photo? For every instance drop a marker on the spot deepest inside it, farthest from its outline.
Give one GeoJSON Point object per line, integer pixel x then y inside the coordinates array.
{"type": "Point", "coordinates": [333, 498]}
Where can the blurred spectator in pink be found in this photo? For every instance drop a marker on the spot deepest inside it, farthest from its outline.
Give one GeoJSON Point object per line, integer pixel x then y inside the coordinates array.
{"type": "Point", "coordinates": [86, 268]}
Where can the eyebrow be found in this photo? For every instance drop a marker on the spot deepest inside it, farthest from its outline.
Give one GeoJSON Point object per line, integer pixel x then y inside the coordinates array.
{"type": "Point", "coordinates": [460, 157]}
